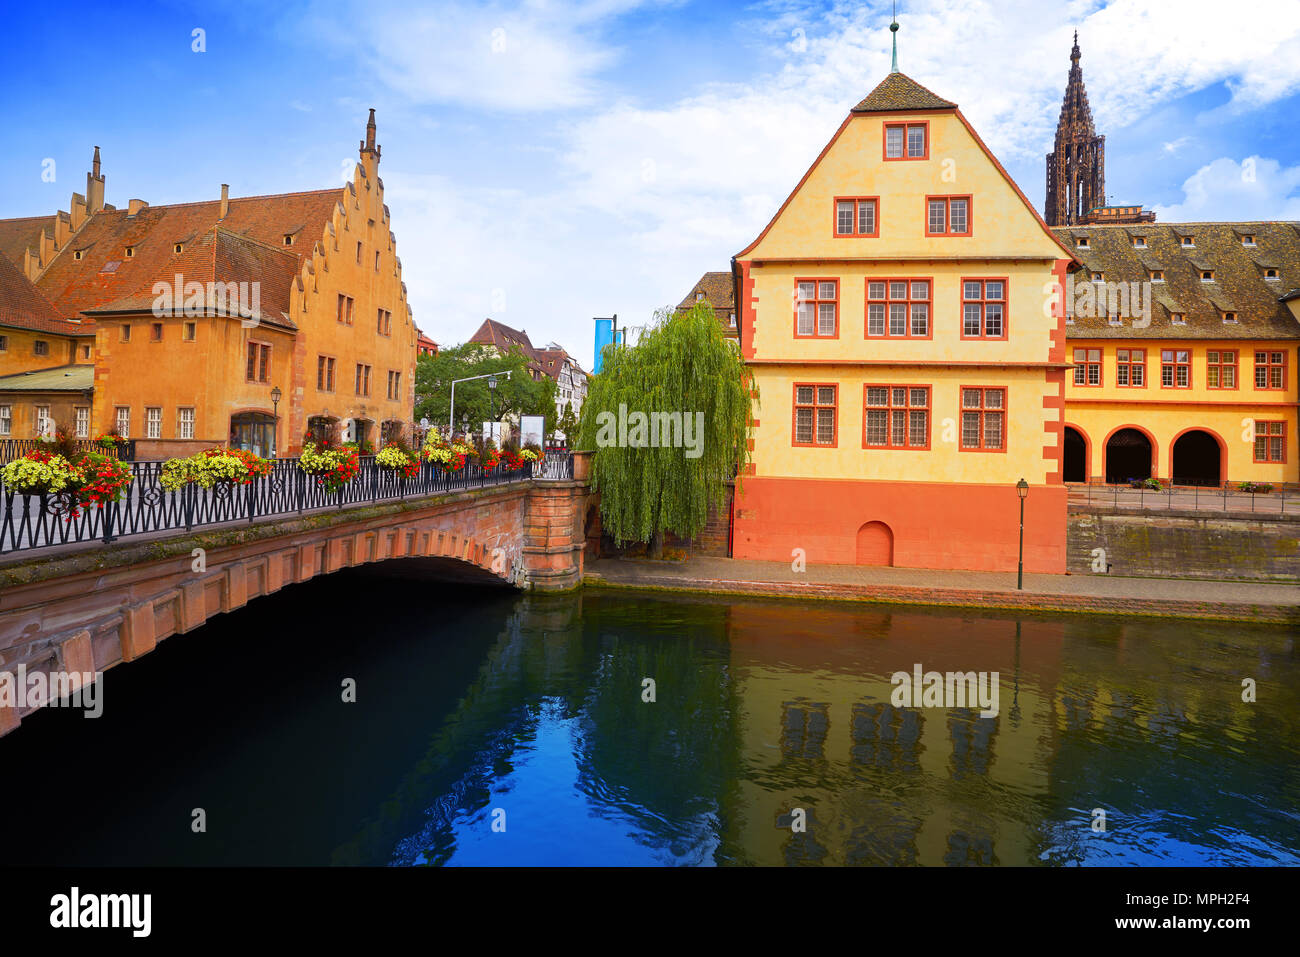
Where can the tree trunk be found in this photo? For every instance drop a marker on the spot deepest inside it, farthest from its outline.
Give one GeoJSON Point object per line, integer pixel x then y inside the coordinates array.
{"type": "Point", "coordinates": [657, 544]}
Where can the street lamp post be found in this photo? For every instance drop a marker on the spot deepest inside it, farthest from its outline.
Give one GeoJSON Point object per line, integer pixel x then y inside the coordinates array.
{"type": "Point", "coordinates": [492, 392]}
{"type": "Point", "coordinates": [1022, 489]}
{"type": "Point", "coordinates": [276, 394]}
{"type": "Point", "coordinates": [451, 417]}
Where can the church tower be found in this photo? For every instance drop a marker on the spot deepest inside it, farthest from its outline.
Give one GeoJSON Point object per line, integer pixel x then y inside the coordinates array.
{"type": "Point", "coordinates": [1076, 168]}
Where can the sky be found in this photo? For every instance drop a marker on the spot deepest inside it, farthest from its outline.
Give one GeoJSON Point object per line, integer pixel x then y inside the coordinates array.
{"type": "Point", "coordinates": [546, 163]}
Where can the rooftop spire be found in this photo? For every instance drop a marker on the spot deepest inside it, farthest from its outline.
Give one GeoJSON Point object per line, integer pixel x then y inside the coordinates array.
{"type": "Point", "coordinates": [893, 29]}
{"type": "Point", "coordinates": [95, 162]}
{"type": "Point", "coordinates": [1074, 53]}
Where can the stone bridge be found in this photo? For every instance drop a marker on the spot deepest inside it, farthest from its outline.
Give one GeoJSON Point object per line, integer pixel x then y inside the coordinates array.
{"type": "Point", "coordinates": [87, 607]}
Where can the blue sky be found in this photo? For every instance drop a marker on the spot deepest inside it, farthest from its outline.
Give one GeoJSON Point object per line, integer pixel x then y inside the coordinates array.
{"type": "Point", "coordinates": [550, 162]}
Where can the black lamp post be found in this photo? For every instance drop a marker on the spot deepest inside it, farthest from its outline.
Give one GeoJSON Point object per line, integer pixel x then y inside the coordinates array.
{"type": "Point", "coordinates": [275, 414]}
{"type": "Point", "coordinates": [492, 391]}
{"type": "Point", "coordinates": [1022, 489]}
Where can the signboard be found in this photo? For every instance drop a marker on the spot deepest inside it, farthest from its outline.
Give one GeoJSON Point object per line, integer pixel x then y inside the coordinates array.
{"type": "Point", "coordinates": [530, 430]}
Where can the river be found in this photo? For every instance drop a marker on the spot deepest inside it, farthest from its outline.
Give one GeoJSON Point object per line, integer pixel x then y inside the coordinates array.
{"type": "Point", "coordinates": [617, 728]}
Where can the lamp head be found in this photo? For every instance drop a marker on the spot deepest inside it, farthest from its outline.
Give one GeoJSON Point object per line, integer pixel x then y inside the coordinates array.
{"type": "Point", "coordinates": [1022, 488]}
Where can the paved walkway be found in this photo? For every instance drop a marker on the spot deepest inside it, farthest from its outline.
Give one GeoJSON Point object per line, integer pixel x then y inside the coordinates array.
{"type": "Point", "coordinates": [1092, 593]}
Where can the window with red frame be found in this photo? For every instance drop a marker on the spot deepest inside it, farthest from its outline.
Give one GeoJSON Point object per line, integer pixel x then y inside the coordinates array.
{"type": "Point", "coordinates": [817, 309]}
{"type": "Point", "coordinates": [814, 414]}
{"type": "Point", "coordinates": [856, 217]}
{"type": "Point", "coordinates": [905, 141]}
{"type": "Point", "coordinates": [897, 417]}
{"type": "Point", "coordinates": [1270, 441]}
{"type": "Point", "coordinates": [898, 308]}
{"type": "Point", "coordinates": [984, 309]}
{"type": "Point", "coordinates": [1131, 368]}
{"type": "Point", "coordinates": [1087, 367]}
{"type": "Point", "coordinates": [947, 216]}
{"type": "Point", "coordinates": [1175, 369]}
{"type": "Point", "coordinates": [1270, 370]}
{"type": "Point", "coordinates": [1221, 369]}
{"type": "Point", "coordinates": [983, 419]}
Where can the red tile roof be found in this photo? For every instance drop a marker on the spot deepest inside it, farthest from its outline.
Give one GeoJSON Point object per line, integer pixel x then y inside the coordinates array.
{"type": "Point", "coordinates": [93, 281]}
{"type": "Point", "coordinates": [17, 235]}
{"type": "Point", "coordinates": [220, 256]}
{"type": "Point", "coordinates": [23, 306]}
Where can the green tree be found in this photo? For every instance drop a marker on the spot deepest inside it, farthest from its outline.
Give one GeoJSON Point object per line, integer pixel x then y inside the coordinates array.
{"type": "Point", "coordinates": [651, 482]}
{"type": "Point", "coordinates": [568, 424]}
{"type": "Point", "coordinates": [521, 394]}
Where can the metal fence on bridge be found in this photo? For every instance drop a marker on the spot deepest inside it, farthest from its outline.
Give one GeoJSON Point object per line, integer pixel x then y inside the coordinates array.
{"type": "Point", "coordinates": [39, 521]}
{"type": "Point", "coordinates": [1227, 497]}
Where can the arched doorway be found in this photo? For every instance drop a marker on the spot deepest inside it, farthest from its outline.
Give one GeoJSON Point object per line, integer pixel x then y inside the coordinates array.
{"type": "Point", "coordinates": [1074, 460]}
{"type": "Point", "coordinates": [1197, 459]}
{"type": "Point", "coordinates": [254, 432]}
{"type": "Point", "coordinates": [1128, 456]}
{"type": "Point", "coordinates": [875, 544]}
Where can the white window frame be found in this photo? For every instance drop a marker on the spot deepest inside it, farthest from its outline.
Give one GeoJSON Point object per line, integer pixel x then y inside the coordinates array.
{"type": "Point", "coordinates": [153, 422]}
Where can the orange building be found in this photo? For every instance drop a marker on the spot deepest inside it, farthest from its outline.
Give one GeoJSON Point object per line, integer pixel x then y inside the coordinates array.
{"type": "Point", "coordinates": [201, 311]}
{"type": "Point", "coordinates": [901, 319]}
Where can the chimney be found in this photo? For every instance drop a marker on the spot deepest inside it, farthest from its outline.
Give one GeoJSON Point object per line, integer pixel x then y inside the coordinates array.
{"type": "Point", "coordinates": [94, 187]}
{"type": "Point", "coordinates": [134, 206]}
{"type": "Point", "coordinates": [225, 200]}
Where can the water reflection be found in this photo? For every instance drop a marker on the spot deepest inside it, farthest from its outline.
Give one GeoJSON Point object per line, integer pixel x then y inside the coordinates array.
{"type": "Point", "coordinates": [492, 729]}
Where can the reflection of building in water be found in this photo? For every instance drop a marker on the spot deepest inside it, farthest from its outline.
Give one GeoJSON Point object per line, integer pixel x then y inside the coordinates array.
{"type": "Point", "coordinates": [883, 785]}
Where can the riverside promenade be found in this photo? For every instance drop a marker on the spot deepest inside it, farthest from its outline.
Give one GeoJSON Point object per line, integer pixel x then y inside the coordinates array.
{"type": "Point", "coordinates": [1095, 594]}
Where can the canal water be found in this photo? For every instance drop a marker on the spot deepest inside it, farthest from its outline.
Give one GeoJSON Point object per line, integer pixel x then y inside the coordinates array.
{"type": "Point", "coordinates": [614, 728]}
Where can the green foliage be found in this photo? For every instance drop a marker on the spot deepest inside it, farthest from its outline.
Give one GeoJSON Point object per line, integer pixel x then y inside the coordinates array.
{"type": "Point", "coordinates": [521, 394]}
{"type": "Point", "coordinates": [568, 424]}
{"type": "Point", "coordinates": [681, 364]}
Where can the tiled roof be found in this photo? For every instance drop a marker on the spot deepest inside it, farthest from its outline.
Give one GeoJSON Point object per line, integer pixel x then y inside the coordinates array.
{"type": "Point", "coordinates": [75, 378]}
{"type": "Point", "coordinates": [106, 274]}
{"type": "Point", "coordinates": [900, 92]}
{"type": "Point", "coordinates": [1239, 284]}
{"type": "Point", "coordinates": [718, 289]}
{"type": "Point", "coordinates": [220, 256]}
{"type": "Point", "coordinates": [23, 306]}
{"type": "Point", "coordinates": [546, 361]}
{"type": "Point", "coordinates": [17, 235]}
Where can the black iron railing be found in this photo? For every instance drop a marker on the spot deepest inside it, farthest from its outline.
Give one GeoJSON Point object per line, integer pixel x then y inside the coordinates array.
{"type": "Point", "coordinates": [11, 449]}
{"type": "Point", "coordinates": [1226, 497]}
{"type": "Point", "coordinates": [38, 521]}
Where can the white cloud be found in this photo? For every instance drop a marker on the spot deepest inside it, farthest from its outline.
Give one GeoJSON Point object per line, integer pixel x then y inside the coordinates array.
{"type": "Point", "coordinates": [531, 55]}
{"type": "Point", "coordinates": [1175, 145]}
{"type": "Point", "coordinates": [1257, 188]}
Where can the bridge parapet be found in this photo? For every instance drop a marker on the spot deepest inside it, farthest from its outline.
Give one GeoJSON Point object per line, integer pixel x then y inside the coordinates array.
{"type": "Point", "coordinates": [91, 606]}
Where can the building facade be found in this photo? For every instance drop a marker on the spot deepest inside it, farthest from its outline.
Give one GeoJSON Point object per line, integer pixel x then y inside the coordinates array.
{"type": "Point", "coordinates": [1184, 340]}
{"type": "Point", "coordinates": [900, 318]}
{"type": "Point", "coordinates": [203, 314]}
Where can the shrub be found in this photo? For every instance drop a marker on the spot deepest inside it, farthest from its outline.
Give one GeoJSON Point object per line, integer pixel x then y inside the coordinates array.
{"type": "Point", "coordinates": [1258, 488]}
{"type": "Point", "coordinates": [211, 467]}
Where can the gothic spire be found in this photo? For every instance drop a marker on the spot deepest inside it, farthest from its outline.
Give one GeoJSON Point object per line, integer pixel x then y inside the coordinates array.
{"type": "Point", "coordinates": [893, 29]}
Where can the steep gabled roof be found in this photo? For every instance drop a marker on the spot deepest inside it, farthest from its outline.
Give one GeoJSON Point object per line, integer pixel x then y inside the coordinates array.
{"type": "Point", "coordinates": [23, 306]}
{"type": "Point", "coordinates": [106, 274]}
{"type": "Point", "coordinates": [898, 91]}
{"type": "Point", "coordinates": [18, 235]}
{"type": "Point", "coordinates": [220, 256]}
{"type": "Point", "coordinates": [717, 288]}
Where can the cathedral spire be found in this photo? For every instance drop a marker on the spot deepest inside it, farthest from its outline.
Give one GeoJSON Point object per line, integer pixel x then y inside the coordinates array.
{"type": "Point", "coordinates": [1076, 169]}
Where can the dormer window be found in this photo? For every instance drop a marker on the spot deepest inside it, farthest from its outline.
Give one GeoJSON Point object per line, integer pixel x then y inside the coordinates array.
{"type": "Point", "coordinates": [1187, 242]}
{"type": "Point", "coordinates": [78, 254]}
{"type": "Point", "coordinates": [1157, 275]}
{"type": "Point", "coordinates": [1098, 276]}
{"type": "Point", "coordinates": [288, 239]}
{"type": "Point", "coordinates": [1271, 274]}
{"type": "Point", "coordinates": [1082, 242]}
{"type": "Point", "coordinates": [1139, 242]}
{"type": "Point", "coordinates": [1248, 239]}
{"type": "Point", "coordinates": [177, 248]}
{"type": "Point", "coordinates": [130, 251]}
{"type": "Point", "coordinates": [1229, 317]}
{"type": "Point", "coordinates": [1178, 318]}
{"type": "Point", "coordinates": [1207, 275]}
{"type": "Point", "coordinates": [1114, 320]}
{"type": "Point", "coordinates": [699, 296]}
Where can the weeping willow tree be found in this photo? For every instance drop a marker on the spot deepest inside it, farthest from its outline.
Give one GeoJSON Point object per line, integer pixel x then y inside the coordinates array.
{"type": "Point", "coordinates": [669, 421]}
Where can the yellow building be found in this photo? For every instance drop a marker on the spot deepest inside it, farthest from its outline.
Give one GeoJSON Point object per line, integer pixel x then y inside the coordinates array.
{"type": "Point", "coordinates": [900, 317]}
{"type": "Point", "coordinates": [1184, 342]}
